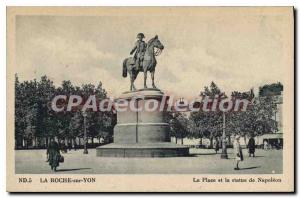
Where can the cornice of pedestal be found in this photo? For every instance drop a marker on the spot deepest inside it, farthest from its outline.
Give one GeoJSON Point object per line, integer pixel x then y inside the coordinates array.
{"type": "Point", "coordinates": [142, 93]}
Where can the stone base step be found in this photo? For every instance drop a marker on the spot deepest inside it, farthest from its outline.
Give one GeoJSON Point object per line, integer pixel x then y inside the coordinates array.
{"type": "Point", "coordinates": [163, 149]}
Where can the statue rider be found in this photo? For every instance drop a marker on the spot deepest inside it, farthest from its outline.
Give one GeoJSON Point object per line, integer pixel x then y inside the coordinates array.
{"type": "Point", "coordinates": [139, 49]}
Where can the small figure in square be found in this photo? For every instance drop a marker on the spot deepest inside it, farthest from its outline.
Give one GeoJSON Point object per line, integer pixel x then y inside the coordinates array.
{"type": "Point", "coordinates": [251, 146]}
{"type": "Point", "coordinates": [217, 145]}
{"type": "Point", "coordinates": [54, 154]}
{"type": "Point", "coordinates": [266, 145]}
{"type": "Point", "coordinates": [238, 152]}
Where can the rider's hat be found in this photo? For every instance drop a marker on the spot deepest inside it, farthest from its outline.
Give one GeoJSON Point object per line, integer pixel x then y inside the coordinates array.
{"type": "Point", "coordinates": [140, 35]}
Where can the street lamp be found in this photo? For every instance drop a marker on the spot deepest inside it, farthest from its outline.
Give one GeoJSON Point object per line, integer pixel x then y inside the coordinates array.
{"type": "Point", "coordinates": [85, 151]}
{"type": "Point", "coordinates": [224, 154]}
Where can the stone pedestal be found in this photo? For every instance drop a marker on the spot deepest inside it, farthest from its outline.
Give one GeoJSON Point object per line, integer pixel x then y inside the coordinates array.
{"type": "Point", "coordinates": [140, 132]}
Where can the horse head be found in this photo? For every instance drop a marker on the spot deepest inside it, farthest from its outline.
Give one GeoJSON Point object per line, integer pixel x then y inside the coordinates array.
{"type": "Point", "coordinates": [154, 42]}
{"type": "Point", "coordinates": [157, 43]}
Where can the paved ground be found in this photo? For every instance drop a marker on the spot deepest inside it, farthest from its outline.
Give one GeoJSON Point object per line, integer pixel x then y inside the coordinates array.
{"type": "Point", "coordinates": [203, 161]}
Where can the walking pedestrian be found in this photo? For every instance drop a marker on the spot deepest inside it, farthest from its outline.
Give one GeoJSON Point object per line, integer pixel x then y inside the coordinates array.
{"type": "Point", "coordinates": [217, 145]}
{"type": "Point", "coordinates": [251, 147]}
{"type": "Point", "coordinates": [266, 145]}
{"type": "Point", "coordinates": [54, 154]}
{"type": "Point", "coordinates": [238, 152]}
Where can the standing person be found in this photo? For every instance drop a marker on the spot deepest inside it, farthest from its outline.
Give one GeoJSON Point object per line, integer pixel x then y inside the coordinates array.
{"type": "Point", "coordinates": [63, 146]}
{"type": "Point", "coordinates": [54, 154]}
{"type": "Point", "coordinates": [266, 145]}
{"type": "Point", "coordinates": [251, 146]}
{"type": "Point", "coordinates": [75, 145]}
{"type": "Point", "coordinates": [217, 145]}
{"type": "Point", "coordinates": [69, 145]}
{"type": "Point", "coordinates": [47, 153]}
{"type": "Point", "coordinates": [238, 152]}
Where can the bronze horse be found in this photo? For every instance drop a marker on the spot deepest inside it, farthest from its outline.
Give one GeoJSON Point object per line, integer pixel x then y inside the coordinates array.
{"type": "Point", "coordinates": [148, 64]}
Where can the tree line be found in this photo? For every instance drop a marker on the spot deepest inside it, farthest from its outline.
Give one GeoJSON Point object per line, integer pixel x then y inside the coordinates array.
{"type": "Point", "coordinates": [257, 120]}
{"type": "Point", "coordinates": [36, 124]}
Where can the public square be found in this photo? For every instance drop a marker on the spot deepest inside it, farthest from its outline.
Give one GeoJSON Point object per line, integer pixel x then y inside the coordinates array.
{"type": "Point", "coordinates": [201, 161]}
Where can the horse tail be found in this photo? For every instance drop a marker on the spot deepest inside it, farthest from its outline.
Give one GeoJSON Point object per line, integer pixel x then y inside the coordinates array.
{"type": "Point", "coordinates": [124, 74]}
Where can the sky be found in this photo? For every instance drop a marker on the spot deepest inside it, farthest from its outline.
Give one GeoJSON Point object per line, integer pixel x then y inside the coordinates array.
{"type": "Point", "coordinates": [238, 49]}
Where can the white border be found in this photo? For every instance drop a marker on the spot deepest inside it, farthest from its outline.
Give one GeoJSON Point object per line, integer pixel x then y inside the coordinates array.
{"type": "Point", "coordinates": [107, 3]}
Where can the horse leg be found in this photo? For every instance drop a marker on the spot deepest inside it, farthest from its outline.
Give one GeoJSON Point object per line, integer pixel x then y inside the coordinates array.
{"type": "Point", "coordinates": [130, 76]}
{"type": "Point", "coordinates": [152, 77]}
{"type": "Point", "coordinates": [132, 84]}
{"type": "Point", "coordinates": [134, 77]}
{"type": "Point", "coordinates": [132, 87]}
{"type": "Point", "coordinates": [145, 79]}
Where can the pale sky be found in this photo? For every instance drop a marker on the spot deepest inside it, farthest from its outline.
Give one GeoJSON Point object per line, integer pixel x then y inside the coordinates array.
{"type": "Point", "coordinates": [237, 49]}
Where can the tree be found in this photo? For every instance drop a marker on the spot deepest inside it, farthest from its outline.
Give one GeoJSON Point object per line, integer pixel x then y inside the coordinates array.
{"type": "Point", "coordinates": [45, 125]}
{"type": "Point", "coordinates": [271, 89]}
{"type": "Point", "coordinates": [28, 106]}
{"type": "Point", "coordinates": [20, 113]}
{"type": "Point", "coordinates": [209, 124]}
{"type": "Point", "coordinates": [95, 122]}
{"type": "Point", "coordinates": [178, 125]}
{"type": "Point", "coordinates": [256, 120]}
{"type": "Point", "coordinates": [76, 126]}
{"type": "Point", "coordinates": [194, 131]}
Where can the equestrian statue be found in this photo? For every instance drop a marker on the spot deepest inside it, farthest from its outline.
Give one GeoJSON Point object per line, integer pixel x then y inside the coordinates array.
{"type": "Point", "coordinates": [143, 60]}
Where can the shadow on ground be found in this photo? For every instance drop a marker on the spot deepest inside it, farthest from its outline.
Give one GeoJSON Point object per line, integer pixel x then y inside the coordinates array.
{"type": "Point", "coordinates": [253, 167]}
{"type": "Point", "coordinates": [196, 155]}
{"type": "Point", "coordinates": [200, 154]}
{"type": "Point", "coordinates": [71, 169]}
